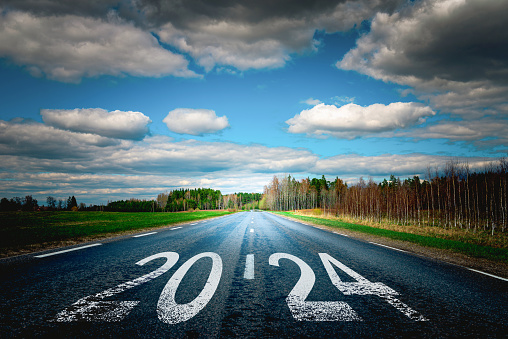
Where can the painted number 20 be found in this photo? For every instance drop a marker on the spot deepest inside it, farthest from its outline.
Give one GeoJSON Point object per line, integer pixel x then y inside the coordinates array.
{"type": "Point", "coordinates": [94, 308]}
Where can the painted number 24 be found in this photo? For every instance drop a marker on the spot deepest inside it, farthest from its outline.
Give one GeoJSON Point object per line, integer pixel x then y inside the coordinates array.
{"type": "Point", "coordinates": [95, 308]}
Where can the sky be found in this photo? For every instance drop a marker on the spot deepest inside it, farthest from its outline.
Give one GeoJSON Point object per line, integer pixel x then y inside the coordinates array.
{"type": "Point", "coordinates": [110, 100]}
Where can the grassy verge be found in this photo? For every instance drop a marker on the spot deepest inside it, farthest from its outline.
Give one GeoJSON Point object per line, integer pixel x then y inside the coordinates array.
{"type": "Point", "coordinates": [22, 232]}
{"type": "Point", "coordinates": [462, 246]}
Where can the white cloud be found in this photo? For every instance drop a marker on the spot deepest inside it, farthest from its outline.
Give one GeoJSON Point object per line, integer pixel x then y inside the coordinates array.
{"type": "Point", "coordinates": [69, 47]}
{"type": "Point", "coordinates": [311, 102]}
{"type": "Point", "coordinates": [195, 121]}
{"type": "Point", "coordinates": [341, 100]}
{"type": "Point", "coordinates": [351, 120]}
{"type": "Point", "coordinates": [115, 124]}
{"type": "Point", "coordinates": [229, 44]}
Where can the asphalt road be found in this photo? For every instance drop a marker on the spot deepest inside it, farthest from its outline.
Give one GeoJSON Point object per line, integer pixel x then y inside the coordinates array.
{"type": "Point", "coordinates": [251, 274]}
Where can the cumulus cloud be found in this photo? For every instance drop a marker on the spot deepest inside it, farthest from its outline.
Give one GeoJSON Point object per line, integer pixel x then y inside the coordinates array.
{"type": "Point", "coordinates": [69, 47]}
{"type": "Point", "coordinates": [195, 121]}
{"type": "Point", "coordinates": [351, 120]}
{"type": "Point", "coordinates": [253, 35]}
{"type": "Point", "coordinates": [460, 65]}
{"type": "Point", "coordinates": [115, 124]}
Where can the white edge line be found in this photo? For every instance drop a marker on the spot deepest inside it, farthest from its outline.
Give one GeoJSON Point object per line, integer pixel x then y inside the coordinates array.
{"type": "Point", "coordinates": [393, 248]}
{"type": "Point", "coordinates": [144, 234]}
{"type": "Point", "coordinates": [344, 235]}
{"type": "Point", "coordinates": [65, 251]}
{"type": "Point", "coordinates": [490, 275]}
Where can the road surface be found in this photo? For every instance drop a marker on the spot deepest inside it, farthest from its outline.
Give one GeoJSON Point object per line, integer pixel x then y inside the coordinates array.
{"type": "Point", "coordinates": [251, 274]}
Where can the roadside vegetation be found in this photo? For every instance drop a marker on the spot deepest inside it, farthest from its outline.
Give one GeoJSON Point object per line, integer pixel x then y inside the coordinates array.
{"type": "Point", "coordinates": [24, 232]}
{"type": "Point", "coordinates": [477, 244]}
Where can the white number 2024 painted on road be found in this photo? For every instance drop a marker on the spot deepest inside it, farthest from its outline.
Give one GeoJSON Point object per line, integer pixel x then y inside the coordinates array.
{"type": "Point", "coordinates": [94, 308]}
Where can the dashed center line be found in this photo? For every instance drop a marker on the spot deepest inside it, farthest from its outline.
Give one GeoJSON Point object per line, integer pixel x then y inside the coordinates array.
{"type": "Point", "coordinates": [65, 251]}
{"type": "Point", "coordinates": [176, 228]}
{"type": "Point", "coordinates": [251, 230]}
{"type": "Point", "coordinates": [249, 267]}
{"type": "Point", "coordinates": [144, 234]}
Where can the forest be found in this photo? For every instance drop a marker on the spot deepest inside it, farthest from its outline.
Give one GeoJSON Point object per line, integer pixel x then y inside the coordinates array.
{"type": "Point", "coordinates": [188, 200]}
{"type": "Point", "coordinates": [453, 196]}
{"type": "Point", "coordinates": [205, 199]}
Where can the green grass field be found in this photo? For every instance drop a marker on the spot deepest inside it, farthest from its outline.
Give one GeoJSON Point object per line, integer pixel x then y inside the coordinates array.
{"type": "Point", "coordinates": [22, 232]}
{"type": "Point", "coordinates": [468, 248]}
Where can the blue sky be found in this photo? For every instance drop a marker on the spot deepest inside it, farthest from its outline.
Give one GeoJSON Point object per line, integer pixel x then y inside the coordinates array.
{"type": "Point", "coordinates": [113, 99]}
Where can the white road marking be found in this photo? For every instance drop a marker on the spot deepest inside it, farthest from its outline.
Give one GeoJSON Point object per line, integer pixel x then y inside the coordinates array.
{"type": "Point", "coordinates": [93, 308]}
{"type": "Point", "coordinates": [175, 228]}
{"type": "Point", "coordinates": [490, 275]}
{"type": "Point", "coordinates": [194, 224]}
{"type": "Point", "coordinates": [169, 311]}
{"type": "Point", "coordinates": [251, 230]}
{"type": "Point", "coordinates": [344, 235]}
{"type": "Point", "coordinates": [249, 267]}
{"type": "Point", "coordinates": [393, 248]}
{"type": "Point", "coordinates": [303, 310]}
{"type": "Point", "coordinates": [65, 251]}
{"type": "Point", "coordinates": [144, 234]}
{"type": "Point", "coordinates": [362, 286]}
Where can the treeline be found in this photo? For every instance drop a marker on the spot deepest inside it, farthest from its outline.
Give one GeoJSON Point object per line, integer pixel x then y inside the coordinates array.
{"type": "Point", "coordinates": [205, 199]}
{"type": "Point", "coordinates": [172, 201]}
{"type": "Point", "coordinates": [131, 205]}
{"type": "Point", "coordinates": [454, 196]}
{"type": "Point", "coordinates": [190, 199]}
{"type": "Point", "coordinates": [28, 203]}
